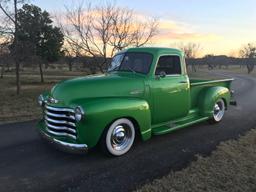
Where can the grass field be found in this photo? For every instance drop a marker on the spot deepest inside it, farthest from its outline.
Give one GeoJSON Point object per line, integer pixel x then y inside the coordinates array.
{"type": "Point", "coordinates": [229, 168]}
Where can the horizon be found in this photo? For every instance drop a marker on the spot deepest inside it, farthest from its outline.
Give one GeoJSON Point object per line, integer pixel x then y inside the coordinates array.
{"type": "Point", "coordinates": [221, 28]}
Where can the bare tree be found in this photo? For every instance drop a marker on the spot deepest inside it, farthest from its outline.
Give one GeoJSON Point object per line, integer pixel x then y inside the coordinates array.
{"type": "Point", "coordinates": [10, 27]}
{"type": "Point", "coordinates": [68, 58]}
{"type": "Point", "coordinates": [249, 53]}
{"type": "Point", "coordinates": [191, 51]}
{"type": "Point", "coordinates": [129, 30]}
{"type": "Point", "coordinates": [100, 31]}
{"type": "Point", "coordinates": [4, 52]}
{"type": "Point", "coordinates": [71, 51]}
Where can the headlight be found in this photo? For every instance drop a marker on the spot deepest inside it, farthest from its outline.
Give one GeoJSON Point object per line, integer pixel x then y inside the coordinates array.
{"type": "Point", "coordinates": [79, 113]}
{"type": "Point", "coordinates": [41, 100]}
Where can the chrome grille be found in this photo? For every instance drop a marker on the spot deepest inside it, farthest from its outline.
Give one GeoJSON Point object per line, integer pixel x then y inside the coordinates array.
{"type": "Point", "coordinates": [60, 121]}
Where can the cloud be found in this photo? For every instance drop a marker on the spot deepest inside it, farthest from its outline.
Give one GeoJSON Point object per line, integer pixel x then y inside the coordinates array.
{"type": "Point", "coordinates": [170, 31]}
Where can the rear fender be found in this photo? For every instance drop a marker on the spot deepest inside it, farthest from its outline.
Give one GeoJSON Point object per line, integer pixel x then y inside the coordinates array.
{"type": "Point", "coordinates": [210, 96]}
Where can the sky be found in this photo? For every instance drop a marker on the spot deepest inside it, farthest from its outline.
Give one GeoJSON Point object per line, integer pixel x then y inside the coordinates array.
{"type": "Point", "coordinates": [219, 26]}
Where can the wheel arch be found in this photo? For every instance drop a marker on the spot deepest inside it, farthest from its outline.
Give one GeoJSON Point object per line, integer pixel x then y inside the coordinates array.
{"type": "Point", "coordinates": [210, 96]}
{"type": "Point", "coordinates": [101, 113]}
{"type": "Point", "coordinates": [134, 122]}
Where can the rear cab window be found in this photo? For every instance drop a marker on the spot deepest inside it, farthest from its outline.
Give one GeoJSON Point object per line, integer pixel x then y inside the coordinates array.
{"type": "Point", "coordinates": [169, 64]}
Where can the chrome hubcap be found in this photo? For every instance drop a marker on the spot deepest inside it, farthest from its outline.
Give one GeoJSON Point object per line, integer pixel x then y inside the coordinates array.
{"type": "Point", "coordinates": [121, 137]}
{"type": "Point", "coordinates": [219, 110]}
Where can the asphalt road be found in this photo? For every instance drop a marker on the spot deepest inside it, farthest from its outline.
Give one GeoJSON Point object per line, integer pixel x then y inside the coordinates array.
{"type": "Point", "coordinates": [28, 164]}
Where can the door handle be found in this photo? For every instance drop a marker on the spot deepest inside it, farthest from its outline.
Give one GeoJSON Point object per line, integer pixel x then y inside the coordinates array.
{"type": "Point", "coordinates": [183, 82]}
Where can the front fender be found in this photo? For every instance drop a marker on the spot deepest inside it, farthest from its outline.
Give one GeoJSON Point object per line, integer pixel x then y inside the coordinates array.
{"type": "Point", "coordinates": [100, 112]}
{"type": "Point", "coordinates": [209, 98]}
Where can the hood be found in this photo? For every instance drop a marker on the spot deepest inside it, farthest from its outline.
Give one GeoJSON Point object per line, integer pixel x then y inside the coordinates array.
{"type": "Point", "coordinates": [108, 85]}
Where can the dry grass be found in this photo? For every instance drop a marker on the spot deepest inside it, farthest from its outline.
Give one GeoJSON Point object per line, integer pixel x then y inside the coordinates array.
{"type": "Point", "coordinates": [230, 168]}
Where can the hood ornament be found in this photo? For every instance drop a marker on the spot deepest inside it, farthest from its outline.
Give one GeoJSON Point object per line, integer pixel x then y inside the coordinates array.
{"type": "Point", "coordinates": [51, 100]}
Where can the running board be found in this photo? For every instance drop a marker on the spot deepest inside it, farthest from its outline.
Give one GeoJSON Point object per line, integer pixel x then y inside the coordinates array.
{"type": "Point", "coordinates": [171, 126]}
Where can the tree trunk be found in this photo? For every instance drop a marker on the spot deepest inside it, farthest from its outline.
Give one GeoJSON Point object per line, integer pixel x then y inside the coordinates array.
{"type": "Point", "coordinates": [250, 68]}
{"type": "Point", "coordinates": [70, 65]}
{"type": "Point", "coordinates": [17, 63]}
{"type": "Point", "coordinates": [193, 67]}
{"type": "Point", "coordinates": [2, 71]}
{"type": "Point", "coordinates": [250, 65]}
{"type": "Point", "coordinates": [41, 72]}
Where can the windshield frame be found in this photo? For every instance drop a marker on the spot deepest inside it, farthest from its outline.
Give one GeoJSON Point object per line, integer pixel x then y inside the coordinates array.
{"type": "Point", "coordinates": [134, 52]}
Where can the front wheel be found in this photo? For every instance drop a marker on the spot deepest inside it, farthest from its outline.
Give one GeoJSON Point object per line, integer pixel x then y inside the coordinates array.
{"type": "Point", "coordinates": [118, 138]}
{"type": "Point", "coordinates": [218, 111]}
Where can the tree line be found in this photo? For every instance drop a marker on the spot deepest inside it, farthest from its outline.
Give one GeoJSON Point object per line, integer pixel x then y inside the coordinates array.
{"type": "Point", "coordinates": [247, 57]}
{"type": "Point", "coordinates": [85, 33]}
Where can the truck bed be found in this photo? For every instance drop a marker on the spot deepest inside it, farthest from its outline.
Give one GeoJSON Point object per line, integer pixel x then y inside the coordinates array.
{"type": "Point", "coordinates": [197, 85]}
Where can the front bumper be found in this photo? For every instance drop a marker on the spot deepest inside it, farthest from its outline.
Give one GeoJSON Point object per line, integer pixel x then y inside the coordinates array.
{"type": "Point", "coordinates": [64, 146]}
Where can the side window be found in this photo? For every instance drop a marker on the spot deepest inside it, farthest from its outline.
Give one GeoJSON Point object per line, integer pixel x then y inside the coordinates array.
{"type": "Point", "coordinates": [168, 64]}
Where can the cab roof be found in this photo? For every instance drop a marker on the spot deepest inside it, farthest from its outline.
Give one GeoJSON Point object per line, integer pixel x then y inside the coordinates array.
{"type": "Point", "coordinates": [155, 50]}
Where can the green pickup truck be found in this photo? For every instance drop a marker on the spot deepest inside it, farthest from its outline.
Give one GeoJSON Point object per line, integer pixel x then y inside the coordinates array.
{"type": "Point", "coordinates": [145, 92]}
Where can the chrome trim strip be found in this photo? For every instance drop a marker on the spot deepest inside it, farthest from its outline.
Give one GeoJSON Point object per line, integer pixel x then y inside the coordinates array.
{"type": "Point", "coordinates": [136, 91]}
{"type": "Point", "coordinates": [59, 109]}
{"type": "Point", "coordinates": [60, 128]}
{"type": "Point", "coordinates": [60, 121]}
{"type": "Point", "coordinates": [70, 147]}
{"type": "Point", "coordinates": [59, 115]}
{"type": "Point", "coordinates": [60, 134]}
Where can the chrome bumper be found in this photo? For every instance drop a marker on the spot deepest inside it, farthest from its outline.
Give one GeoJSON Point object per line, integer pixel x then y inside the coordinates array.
{"type": "Point", "coordinates": [64, 146]}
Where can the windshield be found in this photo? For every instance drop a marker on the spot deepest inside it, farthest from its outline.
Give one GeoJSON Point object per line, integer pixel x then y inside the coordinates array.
{"type": "Point", "coordinates": [134, 62]}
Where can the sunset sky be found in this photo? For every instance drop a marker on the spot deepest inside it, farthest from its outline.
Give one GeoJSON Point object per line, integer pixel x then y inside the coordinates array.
{"type": "Point", "coordinates": [221, 27]}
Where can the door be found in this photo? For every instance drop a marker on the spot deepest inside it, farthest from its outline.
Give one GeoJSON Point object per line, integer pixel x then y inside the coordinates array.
{"type": "Point", "coordinates": [170, 90]}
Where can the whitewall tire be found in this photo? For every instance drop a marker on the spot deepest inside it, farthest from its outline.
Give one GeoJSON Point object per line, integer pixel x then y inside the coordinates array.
{"type": "Point", "coordinates": [218, 111]}
{"type": "Point", "coordinates": [119, 137]}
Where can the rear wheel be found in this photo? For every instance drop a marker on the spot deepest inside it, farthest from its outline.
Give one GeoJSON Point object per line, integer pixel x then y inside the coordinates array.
{"type": "Point", "coordinates": [118, 138]}
{"type": "Point", "coordinates": [218, 111]}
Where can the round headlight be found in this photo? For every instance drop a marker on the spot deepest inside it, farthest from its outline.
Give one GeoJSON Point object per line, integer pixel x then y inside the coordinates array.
{"type": "Point", "coordinates": [79, 113]}
{"type": "Point", "coordinates": [41, 100]}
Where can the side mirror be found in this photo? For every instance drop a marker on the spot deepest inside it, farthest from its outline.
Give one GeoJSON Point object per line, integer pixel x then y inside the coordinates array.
{"type": "Point", "coordinates": [162, 74]}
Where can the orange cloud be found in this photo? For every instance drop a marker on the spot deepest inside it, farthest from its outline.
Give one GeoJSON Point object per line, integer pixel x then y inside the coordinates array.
{"type": "Point", "coordinates": [173, 31]}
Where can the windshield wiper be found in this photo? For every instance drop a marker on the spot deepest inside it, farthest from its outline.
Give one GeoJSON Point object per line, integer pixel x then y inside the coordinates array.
{"type": "Point", "coordinates": [127, 67]}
